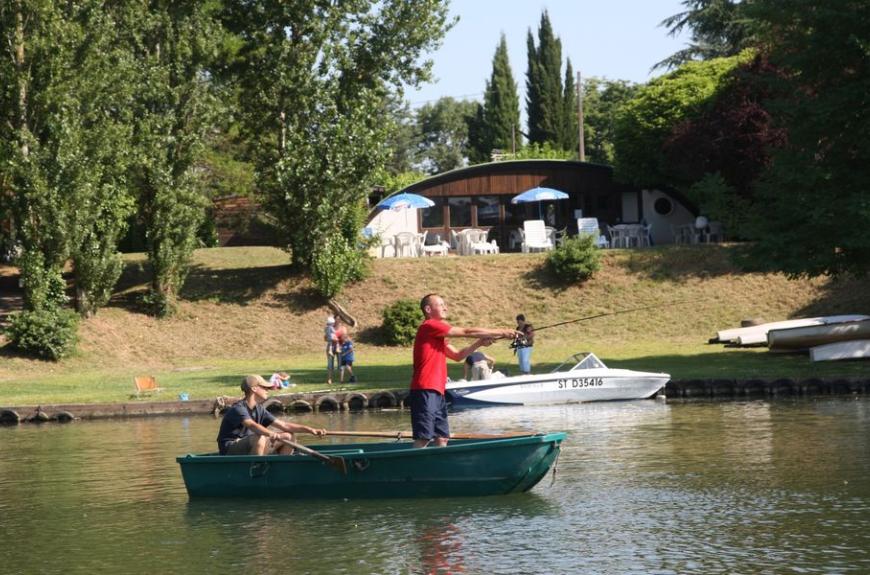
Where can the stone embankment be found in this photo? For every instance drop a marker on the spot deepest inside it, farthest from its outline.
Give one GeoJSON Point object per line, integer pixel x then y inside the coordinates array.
{"type": "Point", "coordinates": [720, 389]}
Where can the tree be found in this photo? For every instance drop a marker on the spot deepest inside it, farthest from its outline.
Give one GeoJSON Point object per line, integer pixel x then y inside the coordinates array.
{"type": "Point", "coordinates": [64, 155]}
{"type": "Point", "coordinates": [569, 137]}
{"type": "Point", "coordinates": [497, 120]}
{"type": "Point", "coordinates": [811, 214]}
{"type": "Point", "coordinates": [544, 95]}
{"type": "Point", "coordinates": [601, 100]}
{"type": "Point", "coordinates": [174, 107]}
{"type": "Point", "coordinates": [444, 134]}
{"type": "Point", "coordinates": [314, 76]}
{"type": "Point", "coordinates": [719, 29]}
{"type": "Point", "coordinates": [644, 123]}
{"type": "Point", "coordinates": [718, 156]}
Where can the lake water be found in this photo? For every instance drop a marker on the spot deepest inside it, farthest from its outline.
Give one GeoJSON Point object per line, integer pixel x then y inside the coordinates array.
{"type": "Point", "coordinates": [641, 487]}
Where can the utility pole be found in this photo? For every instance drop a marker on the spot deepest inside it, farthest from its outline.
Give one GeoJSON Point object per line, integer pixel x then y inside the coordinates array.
{"type": "Point", "coordinates": [581, 145]}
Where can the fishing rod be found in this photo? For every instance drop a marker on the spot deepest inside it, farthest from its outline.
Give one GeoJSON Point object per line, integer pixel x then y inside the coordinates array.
{"type": "Point", "coordinates": [521, 341]}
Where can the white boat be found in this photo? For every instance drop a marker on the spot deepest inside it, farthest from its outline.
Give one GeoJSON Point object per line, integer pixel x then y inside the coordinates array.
{"type": "Point", "coordinates": [853, 349]}
{"type": "Point", "coordinates": [581, 378]}
{"type": "Point", "coordinates": [757, 334]}
{"type": "Point", "coordinates": [803, 338]}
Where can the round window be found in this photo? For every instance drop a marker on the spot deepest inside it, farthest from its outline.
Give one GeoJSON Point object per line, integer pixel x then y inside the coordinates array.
{"type": "Point", "coordinates": [663, 206]}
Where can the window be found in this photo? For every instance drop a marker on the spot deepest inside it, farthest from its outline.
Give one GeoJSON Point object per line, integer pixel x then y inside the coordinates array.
{"type": "Point", "coordinates": [434, 217]}
{"type": "Point", "coordinates": [516, 214]}
{"type": "Point", "coordinates": [460, 212]}
{"type": "Point", "coordinates": [487, 210]}
{"type": "Point", "coordinates": [663, 206]}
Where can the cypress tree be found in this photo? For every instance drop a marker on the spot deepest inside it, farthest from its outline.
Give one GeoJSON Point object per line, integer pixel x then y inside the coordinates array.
{"type": "Point", "coordinates": [501, 102]}
{"type": "Point", "coordinates": [497, 121]}
{"type": "Point", "coordinates": [533, 92]}
{"type": "Point", "coordinates": [569, 111]}
{"type": "Point", "coordinates": [544, 83]}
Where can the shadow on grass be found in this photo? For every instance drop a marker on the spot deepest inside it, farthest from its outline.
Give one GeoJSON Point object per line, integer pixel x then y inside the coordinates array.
{"type": "Point", "coordinates": [736, 363]}
{"type": "Point", "coordinates": [840, 296]}
{"type": "Point", "coordinates": [239, 286]}
{"type": "Point", "coordinates": [540, 277]}
{"type": "Point", "coordinates": [680, 263]}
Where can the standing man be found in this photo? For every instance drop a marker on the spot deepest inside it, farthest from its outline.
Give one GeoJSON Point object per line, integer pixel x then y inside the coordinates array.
{"type": "Point", "coordinates": [524, 344]}
{"type": "Point", "coordinates": [431, 350]}
{"type": "Point", "coordinates": [245, 426]}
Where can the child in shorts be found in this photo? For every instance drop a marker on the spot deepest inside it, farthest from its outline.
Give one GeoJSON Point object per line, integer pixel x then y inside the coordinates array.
{"type": "Point", "coordinates": [346, 360]}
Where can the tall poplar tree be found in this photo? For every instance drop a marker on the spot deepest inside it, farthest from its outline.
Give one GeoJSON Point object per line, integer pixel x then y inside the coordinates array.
{"type": "Point", "coordinates": [314, 76]}
{"type": "Point", "coordinates": [63, 97]}
{"type": "Point", "coordinates": [497, 125]}
{"type": "Point", "coordinates": [172, 44]}
{"type": "Point", "coordinates": [544, 95]}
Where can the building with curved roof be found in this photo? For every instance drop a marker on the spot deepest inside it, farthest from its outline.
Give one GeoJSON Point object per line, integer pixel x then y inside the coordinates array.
{"type": "Point", "coordinates": [479, 196]}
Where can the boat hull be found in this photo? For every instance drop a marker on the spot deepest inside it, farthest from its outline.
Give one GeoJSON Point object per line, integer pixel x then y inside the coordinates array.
{"type": "Point", "coordinates": [379, 470]}
{"type": "Point", "coordinates": [803, 338]}
{"type": "Point", "coordinates": [561, 387]}
{"type": "Point", "coordinates": [841, 350]}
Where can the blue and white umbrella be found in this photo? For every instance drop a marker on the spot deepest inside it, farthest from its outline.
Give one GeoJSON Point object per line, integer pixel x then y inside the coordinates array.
{"type": "Point", "coordinates": [539, 195]}
{"type": "Point", "coordinates": [405, 201]}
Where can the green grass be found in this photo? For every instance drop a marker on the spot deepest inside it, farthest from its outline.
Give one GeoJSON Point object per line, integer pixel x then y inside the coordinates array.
{"type": "Point", "coordinates": [244, 311]}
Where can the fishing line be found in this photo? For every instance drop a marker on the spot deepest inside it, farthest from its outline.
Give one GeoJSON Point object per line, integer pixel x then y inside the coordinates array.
{"type": "Point", "coordinates": [520, 341]}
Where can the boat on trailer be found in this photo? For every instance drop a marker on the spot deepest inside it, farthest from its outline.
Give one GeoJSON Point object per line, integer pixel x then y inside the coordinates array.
{"type": "Point", "coordinates": [580, 378]}
{"type": "Point", "coordinates": [465, 467]}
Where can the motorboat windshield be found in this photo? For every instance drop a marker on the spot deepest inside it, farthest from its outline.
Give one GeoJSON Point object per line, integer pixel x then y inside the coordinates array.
{"type": "Point", "coordinates": [582, 360]}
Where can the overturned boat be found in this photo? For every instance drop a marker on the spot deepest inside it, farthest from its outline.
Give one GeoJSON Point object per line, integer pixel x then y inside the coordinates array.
{"type": "Point", "coordinates": [581, 378]}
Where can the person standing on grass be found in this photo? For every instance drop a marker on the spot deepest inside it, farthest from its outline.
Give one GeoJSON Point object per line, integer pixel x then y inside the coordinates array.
{"type": "Point", "coordinates": [524, 344]}
{"type": "Point", "coordinates": [330, 339]}
{"type": "Point", "coordinates": [245, 427]}
{"type": "Point", "coordinates": [431, 350]}
{"type": "Point", "coordinates": [346, 360]}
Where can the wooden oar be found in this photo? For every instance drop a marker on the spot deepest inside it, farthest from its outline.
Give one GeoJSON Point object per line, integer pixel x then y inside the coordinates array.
{"type": "Point", "coordinates": [333, 460]}
{"type": "Point", "coordinates": [409, 435]}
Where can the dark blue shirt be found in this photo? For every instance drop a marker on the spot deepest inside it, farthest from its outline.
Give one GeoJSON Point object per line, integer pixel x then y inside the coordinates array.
{"type": "Point", "coordinates": [232, 428]}
{"type": "Point", "coordinates": [347, 351]}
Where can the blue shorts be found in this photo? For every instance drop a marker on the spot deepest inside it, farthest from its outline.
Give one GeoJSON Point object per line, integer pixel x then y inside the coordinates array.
{"type": "Point", "coordinates": [428, 414]}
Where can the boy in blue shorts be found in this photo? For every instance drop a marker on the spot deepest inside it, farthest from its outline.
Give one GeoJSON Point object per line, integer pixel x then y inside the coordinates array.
{"type": "Point", "coordinates": [346, 360]}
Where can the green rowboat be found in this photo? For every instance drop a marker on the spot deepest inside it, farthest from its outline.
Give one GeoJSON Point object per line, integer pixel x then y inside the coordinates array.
{"type": "Point", "coordinates": [470, 467]}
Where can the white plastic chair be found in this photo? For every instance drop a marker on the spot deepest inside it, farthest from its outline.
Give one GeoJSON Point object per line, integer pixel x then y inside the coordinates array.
{"type": "Point", "coordinates": [535, 237]}
{"type": "Point", "coordinates": [590, 226]}
{"type": "Point", "coordinates": [407, 244]}
{"type": "Point", "coordinates": [437, 249]}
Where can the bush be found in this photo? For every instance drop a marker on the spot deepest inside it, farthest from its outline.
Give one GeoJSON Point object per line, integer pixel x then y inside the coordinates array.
{"type": "Point", "coordinates": [337, 263]}
{"type": "Point", "coordinates": [577, 259]}
{"type": "Point", "coordinates": [48, 333]}
{"type": "Point", "coordinates": [401, 321]}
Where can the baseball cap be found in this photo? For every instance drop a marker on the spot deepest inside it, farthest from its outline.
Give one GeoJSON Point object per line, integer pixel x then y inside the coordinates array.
{"type": "Point", "coordinates": [330, 319]}
{"type": "Point", "coordinates": [252, 381]}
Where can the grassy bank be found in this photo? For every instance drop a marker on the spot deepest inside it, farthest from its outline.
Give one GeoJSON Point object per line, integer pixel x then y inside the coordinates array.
{"type": "Point", "coordinates": [243, 311]}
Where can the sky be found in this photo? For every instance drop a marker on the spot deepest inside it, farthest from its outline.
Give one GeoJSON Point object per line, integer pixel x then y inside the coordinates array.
{"type": "Point", "coordinates": [615, 39]}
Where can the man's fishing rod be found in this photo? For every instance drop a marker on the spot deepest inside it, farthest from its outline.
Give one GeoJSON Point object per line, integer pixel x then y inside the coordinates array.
{"type": "Point", "coordinates": [521, 341]}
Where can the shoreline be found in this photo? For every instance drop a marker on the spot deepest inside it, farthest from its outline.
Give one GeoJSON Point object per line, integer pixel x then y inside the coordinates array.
{"type": "Point", "coordinates": [295, 403]}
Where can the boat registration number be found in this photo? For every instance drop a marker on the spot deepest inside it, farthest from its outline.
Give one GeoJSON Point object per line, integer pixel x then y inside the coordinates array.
{"type": "Point", "coordinates": [580, 382]}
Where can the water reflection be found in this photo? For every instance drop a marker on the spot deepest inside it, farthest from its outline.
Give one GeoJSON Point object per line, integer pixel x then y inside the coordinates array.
{"type": "Point", "coordinates": [642, 487]}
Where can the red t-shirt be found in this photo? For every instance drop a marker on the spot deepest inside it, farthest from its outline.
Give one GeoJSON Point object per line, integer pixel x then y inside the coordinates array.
{"type": "Point", "coordinates": [430, 356]}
